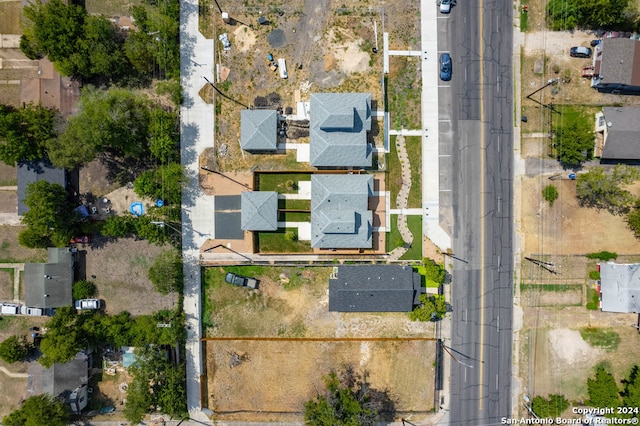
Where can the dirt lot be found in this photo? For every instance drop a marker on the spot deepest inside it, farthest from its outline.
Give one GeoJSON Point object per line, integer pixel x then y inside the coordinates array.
{"type": "Point", "coordinates": [120, 270]}
{"type": "Point", "coordinates": [295, 305]}
{"type": "Point", "coordinates": [246, 392]}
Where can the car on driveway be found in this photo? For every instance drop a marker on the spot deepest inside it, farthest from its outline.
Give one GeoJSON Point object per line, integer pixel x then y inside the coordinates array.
{"type": "Point", "coordinates": [89, 304]}
{"type": "Point", "coordinates": [580, 52]}
{"type": "Point", "coordinates": [445, 67]}
{"type": "Point", "coordinates": [34, 312]}
{"type": "Point", "coordinates": [445, 6]}
{"type": "Point", "coordinates": [241, 281]}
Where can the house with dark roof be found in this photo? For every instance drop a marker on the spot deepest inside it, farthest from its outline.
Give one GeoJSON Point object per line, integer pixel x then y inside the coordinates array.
{"type": "Point", "coordinates": [259, 211]}
{"type": "Point", "coordinates": [68, 381]}
{"type": "Point", "coordinates": [48, 285]}
{"type": "Point", "coordinates": [618, 130]}
{"type": "Point", "coordinates": [374, 288]}
{"type": "Point", "coordinates": [51, 89]}
{"type": "Point", "coordinates": [616, 66]}
{"type": "Point", "coordinates": [258, 130]}
{"type": "Point", "coordinates": [620, 287]}
{"type": "Point", "coordinates": [34, 171]}
{"type": "Point", "coordinates": [338, 128]}
{"type": "Point", "coordinates": [340, 214]}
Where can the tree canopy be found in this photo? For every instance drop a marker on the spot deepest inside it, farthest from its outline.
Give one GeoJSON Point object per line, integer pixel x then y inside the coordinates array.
{"type": "Point", "coordinates": [14, 349]}
{"type": "Point", "coordinates": [432, 308]}
{"type": "Point", "coordinates": [157, 383]}
{"type": "Point", "coordinates": [347, 401]}
{"type": "Point", "coordinates": [165, 182]}
{"type": "Point", "coordinates": [24, 132]}
{"type": "Point", "coordinates": [574, 142]}
{"type": "Point", "coordinates": [166, 272]}
{"type": "Point", "coordinates": [553, 406]}
{"type": "Point", "coordinates": [51, 219]}
{"type": "Point", "coordinates": [64, 338]}
{"type": "Point", "coordinates": [77, 43]}
{"type": "Point", "coordinates": [602, 389]}
{"type": "Point", "coordinates": [39, 410]}
{"type": "Point", "coordinates": [606, 191]}
{"type": "Point", "coordinates": [590, 14]}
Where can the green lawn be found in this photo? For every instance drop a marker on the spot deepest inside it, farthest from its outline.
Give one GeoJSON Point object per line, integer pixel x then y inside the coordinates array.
{"type": "Point", "coordinates": [604, 338]}
{"type": "Point", "coordinates": [524, 17]}
{"type": "Point", "coordinates": [281, 182]}
{"type": "Point", "coordinates": [394, 239]}
{"type": "Point", "coordinates": [277, 242]}
{"type": "Point", "coordinates": [415, 251]}
{"type": "Point", "coordinates": [413, 145]}
{"type": "Point", "coordinates": [294, 217]}
{"type": "Point", "coordinates": [288, 204]}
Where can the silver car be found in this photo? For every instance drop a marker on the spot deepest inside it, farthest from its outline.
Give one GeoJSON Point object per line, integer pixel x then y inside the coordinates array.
{"type": "Point", "coordinates": [445, 6]}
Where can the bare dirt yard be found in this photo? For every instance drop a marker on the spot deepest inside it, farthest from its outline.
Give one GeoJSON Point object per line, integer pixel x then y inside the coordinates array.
{"type": "Point", "coordinates": [567, 228]}
{"type": "Point", "coordinates": [293, 303]}
{"type": "Point", "coordinates": [119, 269]}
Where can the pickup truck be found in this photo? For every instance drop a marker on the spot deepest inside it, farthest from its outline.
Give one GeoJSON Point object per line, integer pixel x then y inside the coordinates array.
{"type": "Point", "coordinates": [241, 281]}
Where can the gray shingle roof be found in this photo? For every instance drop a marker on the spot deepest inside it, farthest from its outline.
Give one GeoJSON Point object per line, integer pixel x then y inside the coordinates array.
{"type": "Point", "coordinates": [35, 171]}
{"type": "Point", "coordinates": [259, 211]}
{"type": "Point", "coordinates": [338, 129]}
{"type": "Point", "coordinates": [374, 288]}
{"type": "Point", "coordinates": [340, 215]}
{"type": "Point", "coordinates": [623, 135]}
{"type": "Point", "coordinates": [258, 130]}
{"type": "Point", "coordinates": [48, 285]}
{"type": "Point", "coordinates": [60, 380]}
{"type": "Point", "coordinates": [619, 64]}
{"type": "Point", "coordinates": [620, 287]}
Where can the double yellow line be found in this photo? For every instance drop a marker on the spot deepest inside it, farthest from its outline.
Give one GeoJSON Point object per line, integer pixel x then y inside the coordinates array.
{"type": "Point", "coordinates": [482, 204]}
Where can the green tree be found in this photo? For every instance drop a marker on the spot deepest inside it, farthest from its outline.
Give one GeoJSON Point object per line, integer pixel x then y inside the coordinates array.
{"type": "Point", "coordinates": [24, 132]}
{"type": "Point", "coordinates": [51, 219]}
{"type": "Point", "coordinates": [119, 226]}
{"type": "Point", "coordinates": [633, 221]}
{"type": "Point", "coordinates": [550, 194]}
{"type": "Point", "coordinates": [83, 289]}
{"type": "Point", "coordinates": [165, 182]}
{"type": "Point", "coordinates": [553, 406]}
{"type": "Point", "coordinates": [602, 389]}
{"type": "Point", "coordinates": [78, 44]}
{"type": "Point", "coordinates": [631, 389]}
{"type": "Point", "coordinates": [164, 142]}
{"type": "Point", "coordinates": [157, 384]}
{"type": "Point", "coordinates": [606, 190]}
{"type": "Point", "coordinates": [345, 402]}
{"type": "Point", "coordinates": [433, 272]}
{"type": "Point", "coordinates": [64, 338]}
{"type": "Point", "coordinates": [114, 120]}
{"type": "Point", "coordinates": [563, 14]}
{"type": "Point", "coordinates": [166, 272]}
{"type": "Point", "coordinates": [574, 138]}
{"type": "Point", "coordinates": [39, 410]}
{"type": "Point", "coordinates": [432, 308]}
{"type": "Point", "coordinates": [14, 349]}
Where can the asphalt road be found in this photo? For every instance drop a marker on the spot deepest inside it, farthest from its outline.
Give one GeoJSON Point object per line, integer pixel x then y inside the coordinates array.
{"type": "Point", "coordinates": [477, 121]}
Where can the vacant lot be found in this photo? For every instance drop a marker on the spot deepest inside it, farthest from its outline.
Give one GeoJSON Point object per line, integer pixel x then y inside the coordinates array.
{"type": "Point", "coordinates": [246, 392]}
{"type": "Point", "coordinates": [293, 303]}
{"type": "Point", "coordinates": [119, 269]}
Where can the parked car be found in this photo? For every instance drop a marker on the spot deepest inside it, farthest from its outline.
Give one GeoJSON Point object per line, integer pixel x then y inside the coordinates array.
{"type": "Point", "coordinates": [241, 281]}
{"type": "Point", "coordinates": [445, 67]}
{"type": "Point", "coordinates": [9, 309]}
{"type": "Point", "coordinates": [580, 52]}
{"type": "Point", "coordinates": [596, 42]}
{"type": "Point", "coordinates": [89, 304]}
{"type": "Point", "coordinates": [34, 312]}
{"type": "Point", "coordinates": [445, 6]}
{"type": "Point", "coordinates": [82, 239]}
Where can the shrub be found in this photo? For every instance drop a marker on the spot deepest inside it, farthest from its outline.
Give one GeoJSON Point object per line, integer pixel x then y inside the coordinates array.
{"type": "Point", "coordinates": [603, 255]}
{"type": "Point", "coordinates": [83, 290]}
{"type": "Point", "coordinates": [594, 275]}
{"type": "Point", "coordinates": [550, 194]}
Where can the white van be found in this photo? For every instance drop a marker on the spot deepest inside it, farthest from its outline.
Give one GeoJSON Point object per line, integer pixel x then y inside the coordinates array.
{"type": "Point", "coordinates": [32, 312]}
{"type": "Point", "coordinates": [282, 66]}
{"type": "Point", "coordinates": [9, 309]}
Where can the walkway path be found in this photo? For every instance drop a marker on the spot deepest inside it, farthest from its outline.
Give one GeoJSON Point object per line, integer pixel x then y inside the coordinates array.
{"type": "Point", "coordinates": [401, 200]}
{"type": "Point", "coordinates": [196, 134]}
{"type": "Point", "coordinates": [14, 375]}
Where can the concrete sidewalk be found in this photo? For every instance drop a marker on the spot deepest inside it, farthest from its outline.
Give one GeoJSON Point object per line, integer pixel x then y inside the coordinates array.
{"type": "Point", "coordinates": [196, 134]}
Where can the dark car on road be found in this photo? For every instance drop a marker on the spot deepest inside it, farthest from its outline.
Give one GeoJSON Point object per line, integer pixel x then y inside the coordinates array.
{"type": "Point", "coordinates": [580, 52]}
{"type": "Point", "coordinates": [445, 67]}
{"type": "Point", "coordinates": [241, 281]}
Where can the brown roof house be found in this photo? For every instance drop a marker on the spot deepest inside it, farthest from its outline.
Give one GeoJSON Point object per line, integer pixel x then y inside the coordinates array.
{"type": "Point", "coordinates": [618, 135]}
{"type": "Point", "coordinates": [616, 64]}
{"type": "Point", "coordinates": [50, 89]}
